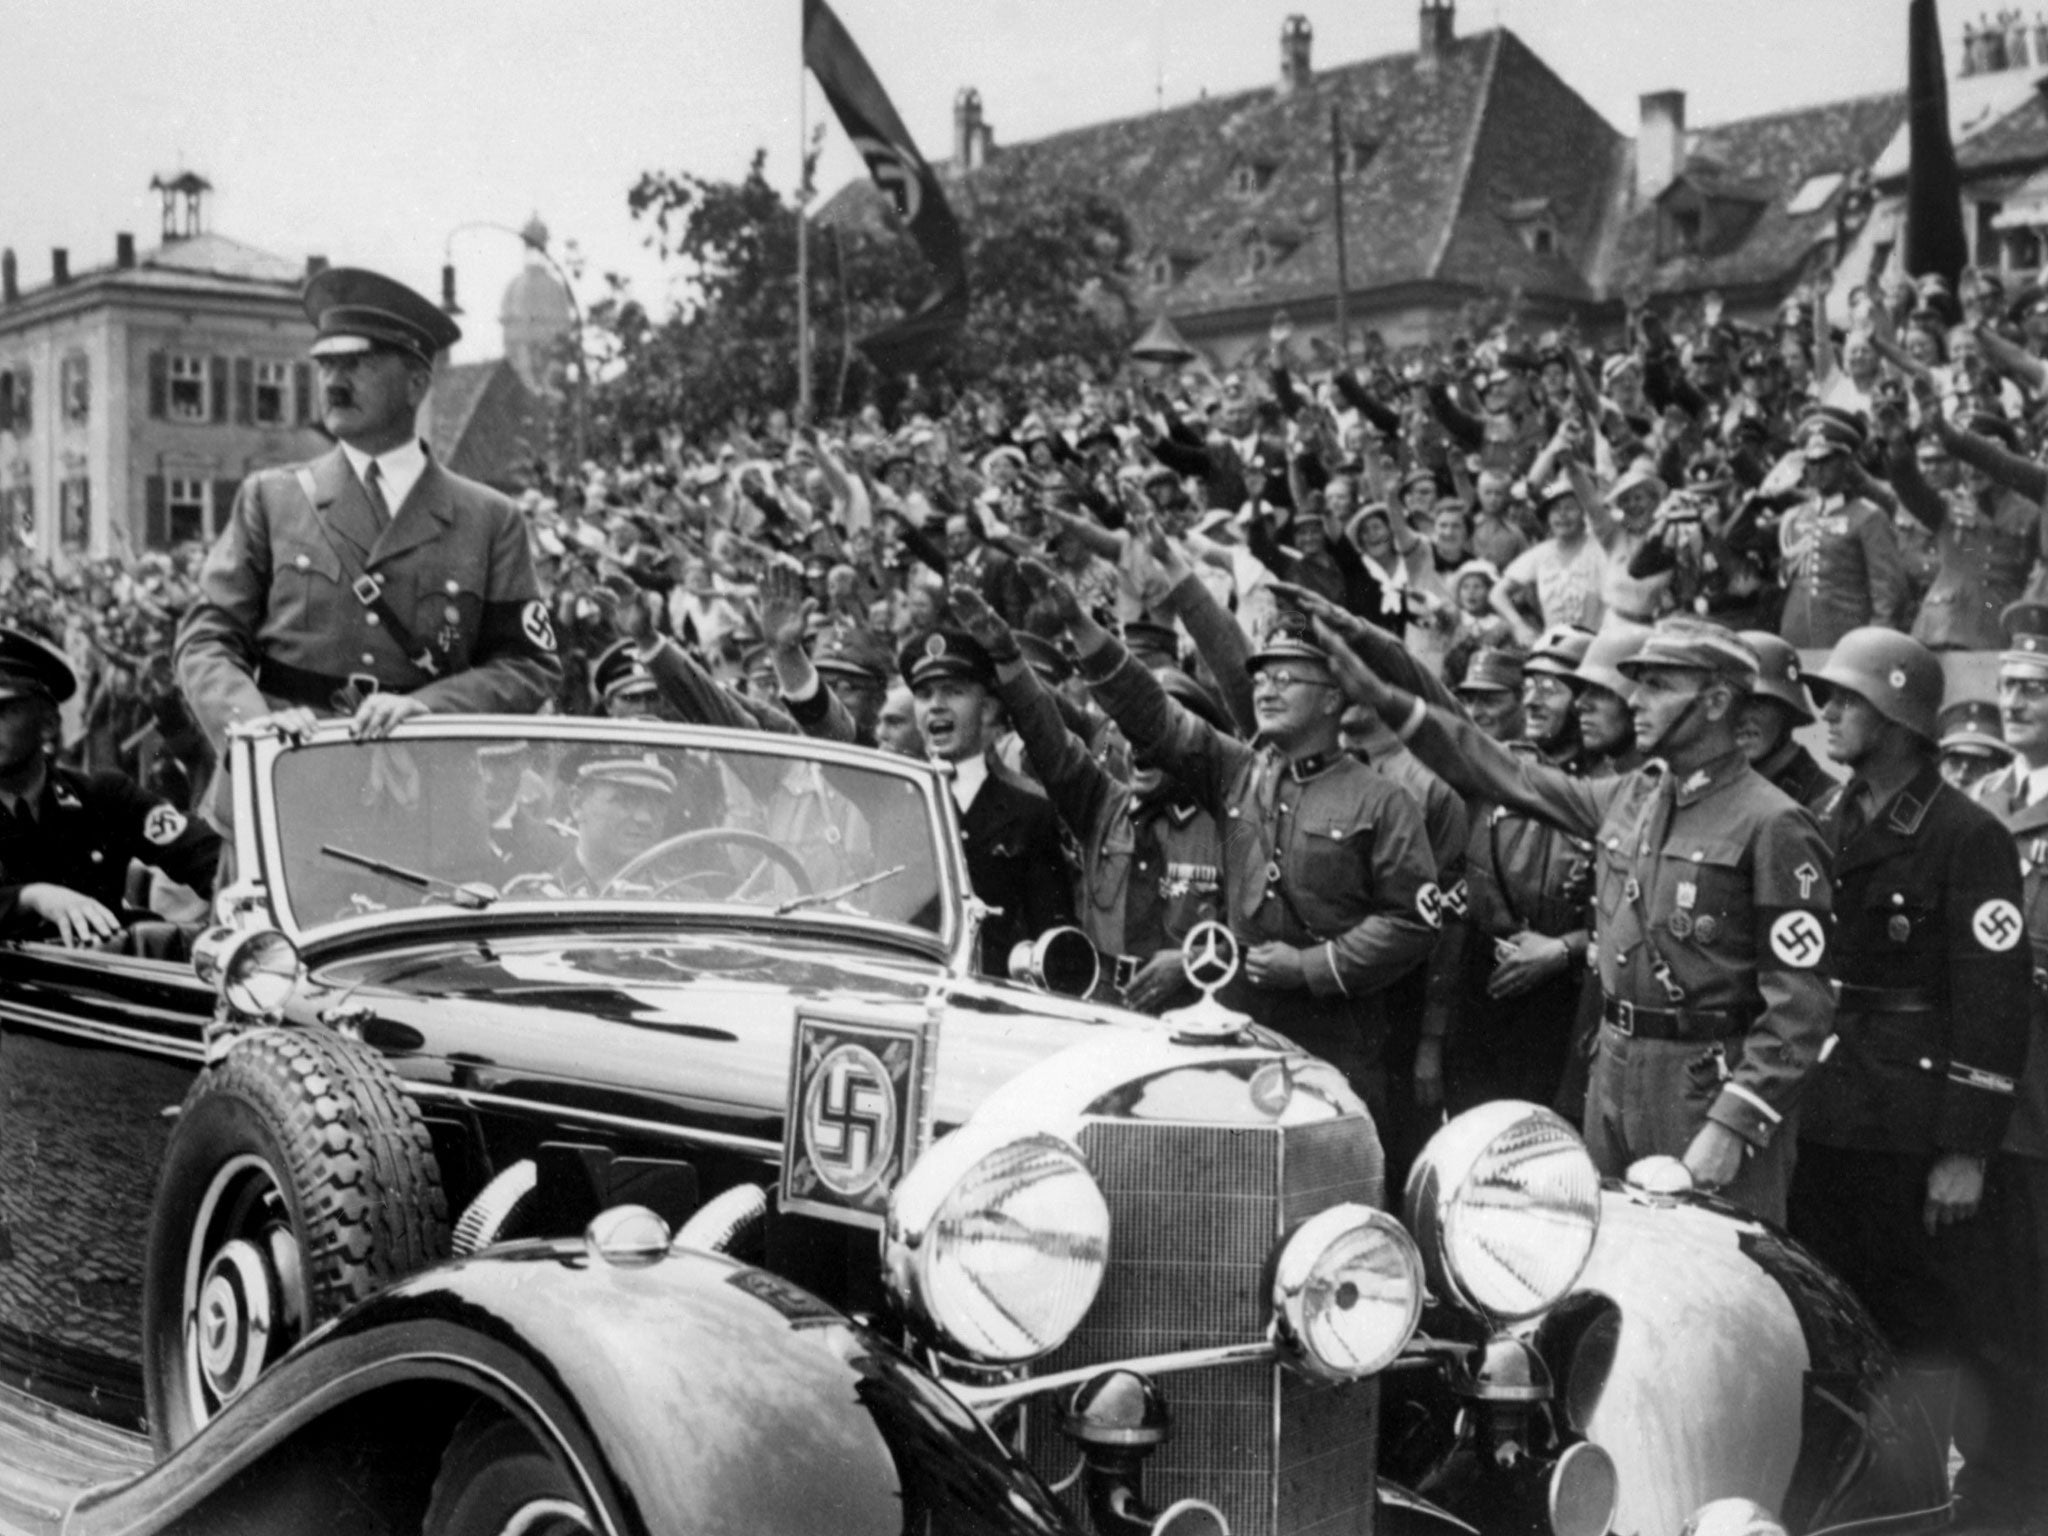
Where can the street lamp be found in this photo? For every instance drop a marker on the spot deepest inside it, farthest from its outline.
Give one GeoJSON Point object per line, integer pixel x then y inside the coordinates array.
{"type": "Point", "coordinates": [536, 241]}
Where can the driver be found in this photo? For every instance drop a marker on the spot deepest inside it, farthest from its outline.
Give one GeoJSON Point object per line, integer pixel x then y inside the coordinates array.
{"type": "Point", "coordinates": [619, 808]}
{"type": "Point", "coordinates": [66, 838]}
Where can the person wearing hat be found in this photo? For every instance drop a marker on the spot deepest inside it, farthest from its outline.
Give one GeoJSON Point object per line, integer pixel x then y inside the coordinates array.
{"type": "Point", "coordinates": [972, 561]}
{"type": "Point", "coordinates": [1558, 580]}
{"type": "Point", "coordinates": [1838, 558]}
{"type": "Point", "coordinates": [1971, 743]}
{"type": "Point", "coordinates": [1775, 709]}
{"type": "Point", "coordinates": [2007, 1478]}
{"type": "Point", "coordinates": [515, 798]}
{"type": "Point", "coordinates": [1009, 834]}
{"type": "Point", "coordinates": [624, 687]}
{"type": "Point", "coordinates": [1985, 537]}
{"type": "Point", "coordinates": [1917, 1087]}
{"type": "Point", "coordinates": [619, 808]}
{"type": "Point", "coordinates": [1328, 880]}
{"type": "Point", "coordinates": [1713, 897]}
{"type": "Point", "coordinates": [370, 582]}
{"type": "Point", "coordinates": [1150, 855]}
{"type": "Point", "coordinates": [1222, 461]}
{"type": "Point", "coordinates": [66, 838]}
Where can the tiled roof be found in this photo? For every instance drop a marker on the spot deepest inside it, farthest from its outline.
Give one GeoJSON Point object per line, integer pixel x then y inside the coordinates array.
{"type": "Point", "coordinates": [1769, 158]}
{"type": "Point", "coordinates": [483, 422]}
{"type": "Point", "coordinates": [1442, 152]}
{"type": "Point", "coordinates": [203, 264]}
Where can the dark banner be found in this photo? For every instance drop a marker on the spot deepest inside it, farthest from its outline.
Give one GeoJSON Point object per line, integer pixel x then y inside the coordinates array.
{"type": "Point", "coordinates": [863, 109]}
{"type": "Point", "coordinates": [1934, 210]}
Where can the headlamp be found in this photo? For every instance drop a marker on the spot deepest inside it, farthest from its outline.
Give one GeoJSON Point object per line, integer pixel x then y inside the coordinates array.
{"type": "Point", "coordinates": [1504, 1203]}
{"type": "Point", "coordinates": [996, 1242]}
{"type": "Point", "coordinates": [253, 971]}
{"type": "Point", "coordinates": [1347, 1292]}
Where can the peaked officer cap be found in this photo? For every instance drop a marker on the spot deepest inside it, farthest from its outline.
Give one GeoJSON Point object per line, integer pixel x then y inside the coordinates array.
{"type": "Point", "coordinates": [357, 311]}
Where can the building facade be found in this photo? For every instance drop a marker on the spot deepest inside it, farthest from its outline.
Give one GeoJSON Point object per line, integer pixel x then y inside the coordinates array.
{"type": "Point", "coordinates": [135, 396]}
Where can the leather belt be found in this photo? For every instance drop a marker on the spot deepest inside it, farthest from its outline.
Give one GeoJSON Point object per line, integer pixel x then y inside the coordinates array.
{"type": "Point", "coordinates": [1703, 1024]}
{"type": "Point", "coordinates": [318, 690]}
{"type": "Point", "coordinates": [1884, 999]}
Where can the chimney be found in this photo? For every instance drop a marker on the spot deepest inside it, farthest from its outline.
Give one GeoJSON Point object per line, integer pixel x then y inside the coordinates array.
{"type": "Point", "coordinates": [10, 285]}
{"type": "Point", "coordinates": [315, 265]}
{"type": "Point", "coordinates": [1296, 37]}
{"type": "Point", "coordinates": [124, 249]}
{"type": "Point", "coordinates": [1660, 142]}
{"type": "Point", "coordinates": [60, 266]}
{"type": "Point", "coordinates": [1439, 20]}
{"type": "Point", "coordinates": [970, 143]}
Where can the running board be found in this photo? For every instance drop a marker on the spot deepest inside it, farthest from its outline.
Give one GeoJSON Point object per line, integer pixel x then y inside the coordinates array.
{"type": "Point", "coordinates": [49, 1456]}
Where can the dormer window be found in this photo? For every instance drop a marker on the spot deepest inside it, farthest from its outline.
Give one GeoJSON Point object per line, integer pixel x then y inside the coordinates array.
{"type": "Point", "coordinates": [1257, 257]}
{"type": "Point", "coordinates": [1248, 178]}
{"type": "Point", "coordinates": [1356, 155]}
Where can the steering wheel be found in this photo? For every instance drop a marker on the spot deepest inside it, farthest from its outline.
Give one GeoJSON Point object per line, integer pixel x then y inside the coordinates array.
{"type": "Point", "coordinates": [768, 848]}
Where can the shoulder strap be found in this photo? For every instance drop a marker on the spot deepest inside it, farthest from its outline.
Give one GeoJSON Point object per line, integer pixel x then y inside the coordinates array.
{"type": "Point", "coordinates": [368, 589]}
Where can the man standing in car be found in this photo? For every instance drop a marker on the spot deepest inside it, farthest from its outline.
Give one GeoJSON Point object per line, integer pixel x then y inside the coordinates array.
{"type": "Point", "coordinates": [370, 583]}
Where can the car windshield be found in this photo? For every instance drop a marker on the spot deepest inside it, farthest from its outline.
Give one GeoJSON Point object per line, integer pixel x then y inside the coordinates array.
{"type": "Point", "coordinates": [577, 820]}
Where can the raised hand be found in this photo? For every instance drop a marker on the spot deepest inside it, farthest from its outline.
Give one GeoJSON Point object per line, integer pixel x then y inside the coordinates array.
{"type": "Point", "coordinates": [1173, 565]}
{"type": "Point", "coordinates": [624, 608]}
{"type": "Point", "coordinates": [1360, 683]}
{"type": "Point", "coordinates": [984, 623]}
{"type": "Point", "coordinates": [785, 608]}
{"type": "Point", "coordinates": [1053, 589]}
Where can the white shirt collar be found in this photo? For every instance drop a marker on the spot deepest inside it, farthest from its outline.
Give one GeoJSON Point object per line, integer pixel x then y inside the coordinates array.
{"type": "Point", "coordinates": [2036, 780]}
{"type": "Point", "coordinates": [969, 774]}
{"type": "Point", "coordinates": [398, 468]}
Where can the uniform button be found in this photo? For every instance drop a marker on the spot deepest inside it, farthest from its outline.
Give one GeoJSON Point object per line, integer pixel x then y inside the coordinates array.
{"type": "Point", "coordinates": [304, 562]}
{"type": "Point", "coordinates": [1698, 854]}
{"type": "Point", "coordinates": [369, 659]}
{"type": "Point", "coordinates": [453, 589]}
{"type": "Point", "coordinates": [1898, 898]}
{"type": "Point", "coordinates": [98, 857]}
{"type": "Point", "coordinates": [1143, 865]}
{"type": "Point", "coordinates": [372, 620]}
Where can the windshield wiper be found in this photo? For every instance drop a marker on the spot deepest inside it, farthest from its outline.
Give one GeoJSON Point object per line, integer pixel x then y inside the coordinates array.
{"type": "Point", "coordinates": [471, 898]}
{"type": "Point", "coordinates": [798, 903]}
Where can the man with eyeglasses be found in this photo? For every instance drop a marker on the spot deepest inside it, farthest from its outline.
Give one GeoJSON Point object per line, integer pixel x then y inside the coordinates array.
{"type": "Point", "coordinates": [2009, 1476]}
{"type": "Point", "coordinates": [1328, 880]}
{"type": "Point", "coordinates": [370, 583]}
{"type": "Point", "coordinates": [1713, 896]}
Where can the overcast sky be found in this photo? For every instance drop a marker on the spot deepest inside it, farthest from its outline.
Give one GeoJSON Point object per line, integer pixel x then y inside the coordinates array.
{"type": "Point", "coordinates": [366, 132]}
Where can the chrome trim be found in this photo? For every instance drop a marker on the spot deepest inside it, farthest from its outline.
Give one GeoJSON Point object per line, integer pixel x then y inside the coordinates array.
{"type": "Point", "coordinates": [476, 1098]}
{"type": "Point", "coordinates": [254, 753]}
{"type": "Point", "coordinates": [988, 1399]}
{"type": "Point", "coordinates": [108, 1034]}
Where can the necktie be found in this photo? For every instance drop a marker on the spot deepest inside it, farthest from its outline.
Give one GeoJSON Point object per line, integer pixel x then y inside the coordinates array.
{"type": "Point", "coordinates": [373, 487]}
{"type": "Point", "coordinates": [2019, 793]}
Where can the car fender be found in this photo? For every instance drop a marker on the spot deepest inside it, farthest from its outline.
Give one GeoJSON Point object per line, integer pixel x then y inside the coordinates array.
{"type": "Point", "coordinates": [1742, 1367]}
{"type": "Point", "coordinates": [685, 1391]}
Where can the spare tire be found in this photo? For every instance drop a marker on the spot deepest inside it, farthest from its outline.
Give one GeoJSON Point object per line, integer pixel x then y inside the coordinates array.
{"type": "Point", "coordinates": [299, 1179]}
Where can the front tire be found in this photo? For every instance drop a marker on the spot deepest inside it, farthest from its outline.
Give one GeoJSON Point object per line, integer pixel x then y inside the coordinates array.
{"type": "Point", "coordinates": [298, 1180]}
{"type": "Point", "coordinates": [497, 1480]}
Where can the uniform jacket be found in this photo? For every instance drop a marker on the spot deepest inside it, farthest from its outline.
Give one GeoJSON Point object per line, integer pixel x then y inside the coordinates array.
{"type": "Point", "coordinates": [1355, 888]}
{"type": "Point", "coordinates": [87, 828]}
{"type": "Point", "coordinates": [2027, 1133]}
{"type": "Point", "coordinates": [1794, 770]}
{"type": "Point", "coordinates": [1712, 897]}
{"type": "Point", "coordinates": [277, 588]}
{"type": "Point", "coordinates": [1983, 557]}
{"type": "Point", "coordinates": [1931, 1027]}
{"type": "Point", "coordinates": [1014, 862]}
{"type": "Point", "coordinates": [1150, 872]}
{"type": "Point", "coordinates": [1841, 567]}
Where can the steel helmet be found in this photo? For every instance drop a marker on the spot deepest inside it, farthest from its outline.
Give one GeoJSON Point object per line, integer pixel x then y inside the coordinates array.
{"type": "Point", "coordinates": [1617, 640]}
{"type": "Point", "coordinates": [1559, 650]}
{"type": "Point", "coordinates": [1898, 675]}
{"type": "Point", "coordinates": [1778, 673]}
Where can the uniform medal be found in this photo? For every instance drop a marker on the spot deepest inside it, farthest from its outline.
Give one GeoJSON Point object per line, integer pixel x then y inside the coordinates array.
{"type": "Point", "coordinates": [1900, 927]}
{"type": "Point", "coordinates": [1706, 928]}
{"type": "Point", "coordinates": [1680, 925]}
{"type": "Point", "coordinates": [1681, 920]}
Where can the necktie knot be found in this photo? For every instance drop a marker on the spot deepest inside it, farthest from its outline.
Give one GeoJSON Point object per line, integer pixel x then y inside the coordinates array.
{"type": "Point", "coordinates": [373, 487]}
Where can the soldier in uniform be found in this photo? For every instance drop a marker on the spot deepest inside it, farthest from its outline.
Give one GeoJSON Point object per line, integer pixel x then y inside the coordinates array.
{"type": "Point", "coordinates": [1327, 877]}
{"type": "Point", "coordinates": [1838, 555]}
{"type": "Point", "coordinates": [1914, 1090]}
{"type": "Point", "coordinates": [1770, 715]}
{"type": "Point", "coordinates": [1009, 834]}
{"type": "Point", "coordinates": [370, 582]}
{"type": "Point", "coordinates": [2005, 1478]}
{"type": "Point", "coordinates": [1972, 742]}
{"type": "Point", "coordinates": [66, 838]}
{"type": "Point", "coordinates": [1150, 858]}
{"type": "Point", "coordinates": [1713, 900]}
{"type": "Point", "coordinates": [1607, 730]}
{"type": "Point", "coordinates": [619, 807]}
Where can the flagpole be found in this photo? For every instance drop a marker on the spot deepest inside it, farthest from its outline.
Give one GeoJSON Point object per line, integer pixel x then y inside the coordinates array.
{"type": "Point", "coordinates": [1337, 224]}
{"type": "Point", "coordinates": [803, 243]}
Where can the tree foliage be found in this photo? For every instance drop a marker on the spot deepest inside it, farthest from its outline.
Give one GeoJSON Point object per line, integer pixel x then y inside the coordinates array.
{"type": "Point", "coordinates": [1046, 272]}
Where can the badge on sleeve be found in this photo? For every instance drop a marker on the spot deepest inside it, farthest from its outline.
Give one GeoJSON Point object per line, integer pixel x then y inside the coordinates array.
{"type": "Point", "coordinates": [1429, 901]}
{"type": "Point", "coordinates": [1798, 939]}
{"type": "Point", "coordinates": [164, 824]}
{"type": "Point", "coordinates": [534, 623]}
{"type": "Point", "coordinates": [1997, 925]}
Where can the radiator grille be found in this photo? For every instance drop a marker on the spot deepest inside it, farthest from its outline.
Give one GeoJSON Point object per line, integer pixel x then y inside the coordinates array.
{"type": "Point", "coordinates": [1195, 1211]}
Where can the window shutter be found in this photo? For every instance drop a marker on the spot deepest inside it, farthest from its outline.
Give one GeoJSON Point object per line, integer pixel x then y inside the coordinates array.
{"type": "Point", "coordinates": [24, 401]}
{"type": "Point", "coordinates": [245, 390]}
{"type": "Point", "coordinates": [217, 376]}
{"type": "Point", "coordinates": [155, 533]}
{"type": "Point", "coordinates": [223, 502]}
{"type": "Point", "coordinates": [159, 385]}
{"type": "Point", "coordinates": [6, 402]}
{"type": "Point", "coordinates": [302, 393]}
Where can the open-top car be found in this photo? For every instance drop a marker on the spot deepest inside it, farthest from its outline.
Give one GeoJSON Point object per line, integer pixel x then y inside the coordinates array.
{"type": "Point", "coordinates": [588, 1125]}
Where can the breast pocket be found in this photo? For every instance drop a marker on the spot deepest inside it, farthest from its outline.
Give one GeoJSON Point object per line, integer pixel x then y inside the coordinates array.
{"type": "Point", "coordinates": [1331, 861]}
{"type": "Point", "coordinates": [1704, 898]}
{"type": "Point", "coordinates": [305, 582]}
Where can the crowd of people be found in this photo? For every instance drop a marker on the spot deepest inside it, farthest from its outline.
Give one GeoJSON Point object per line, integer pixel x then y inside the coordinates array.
{"type": "Point", "coordinates": [1462, 682]}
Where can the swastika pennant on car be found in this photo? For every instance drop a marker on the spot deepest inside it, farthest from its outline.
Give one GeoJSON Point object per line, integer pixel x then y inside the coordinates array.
{"type": "Point", "coordinates": [855, 1114]}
